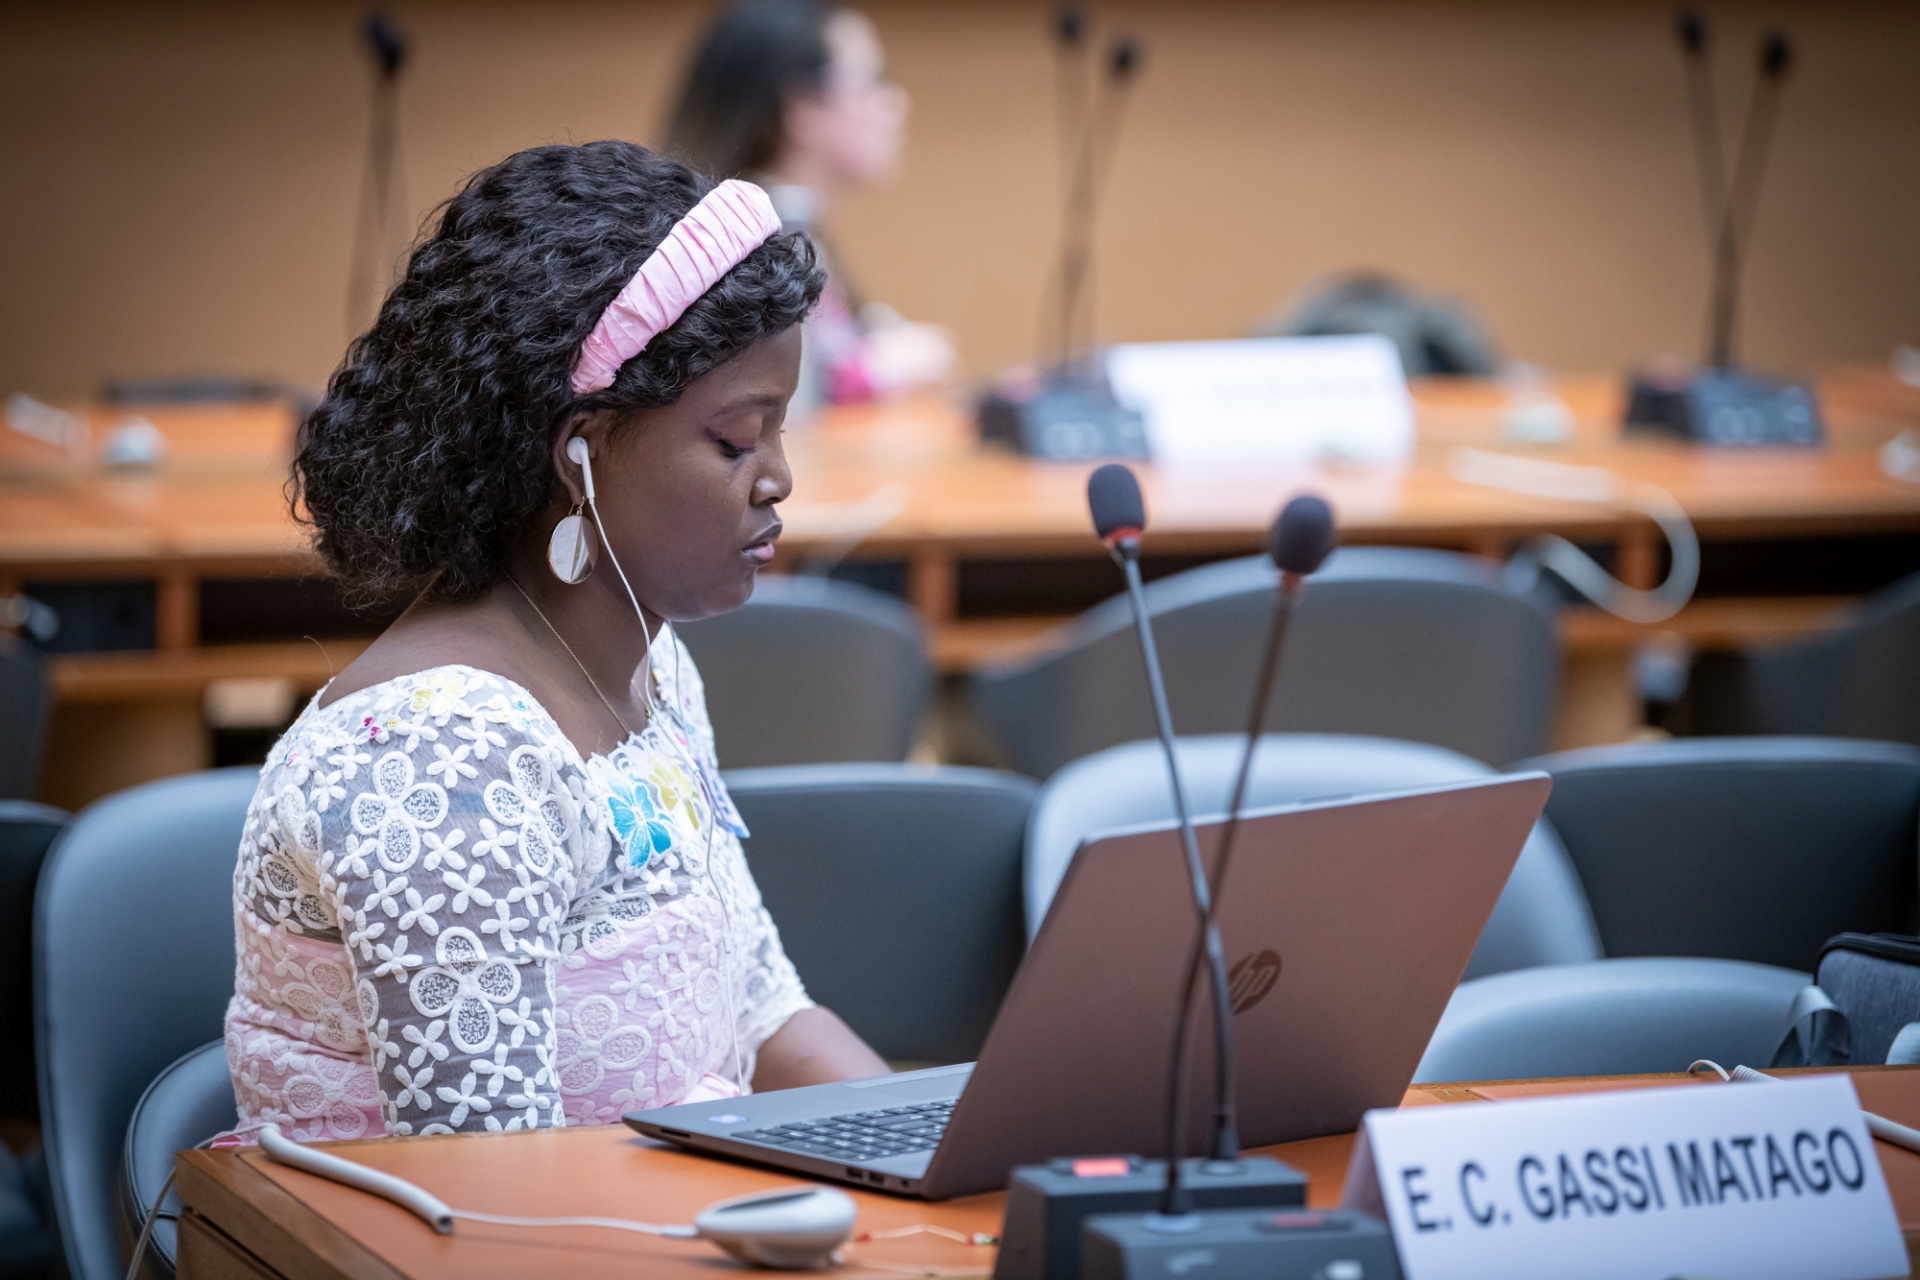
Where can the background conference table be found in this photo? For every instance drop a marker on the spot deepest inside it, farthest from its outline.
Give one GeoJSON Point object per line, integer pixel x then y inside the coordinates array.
{"type": "Point", "coordinates": [249, 1217]}
{"type": "Point", "coordinates": [908, 481]}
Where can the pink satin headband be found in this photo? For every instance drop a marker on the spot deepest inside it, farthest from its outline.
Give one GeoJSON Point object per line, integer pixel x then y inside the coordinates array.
{"type": "Point", "coordinates": [730, 222]}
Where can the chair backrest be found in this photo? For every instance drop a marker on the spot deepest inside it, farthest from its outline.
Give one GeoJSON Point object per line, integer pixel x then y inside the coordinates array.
{"type": "Point", "coordinates": [25, 703]}
{"type": "Point", "coordinates": [1614, 1017]}
{"type": "Point", "coordinates": [1861, 681]}
{"type": "Point", "coordinates": [133, 966]}
{"type": "Point", "coordinates": [897, 892]}
{"type": "Point", "coordinates": [1541, 917]}
{"type": "Point", "coordinates": [189, 1102]}
{"type": "Point", "coordinates": [1740, 848]}
{"type": "Point", "coordinates": [26, 831]}
{"type": "Point", "coordinates": [1428, 646]}
{"type": "Point", "coordinates": [812, 670]}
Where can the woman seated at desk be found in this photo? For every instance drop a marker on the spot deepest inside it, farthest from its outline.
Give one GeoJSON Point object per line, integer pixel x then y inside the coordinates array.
{"type": "Point", "coordinates": [795, 96]}
{"type": "Point", "coordinates": [491, 878]}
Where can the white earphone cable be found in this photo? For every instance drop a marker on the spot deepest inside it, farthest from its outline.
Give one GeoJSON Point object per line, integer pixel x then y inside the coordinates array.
{"type": "Point", "coordinates": [593, 507]}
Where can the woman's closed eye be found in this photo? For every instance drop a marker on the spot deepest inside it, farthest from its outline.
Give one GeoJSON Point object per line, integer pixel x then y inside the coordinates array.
{"type": "Point", "coordinates": [729, 450]}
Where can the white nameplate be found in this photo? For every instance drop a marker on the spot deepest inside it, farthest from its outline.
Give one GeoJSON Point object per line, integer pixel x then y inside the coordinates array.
{"type": "Point", "coordinates": [1747, 1181]}
{"type": "Point", "coordinates": [1272, 400]}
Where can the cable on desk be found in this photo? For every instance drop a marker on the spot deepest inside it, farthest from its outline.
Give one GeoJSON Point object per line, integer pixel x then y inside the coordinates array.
{"type": "Point", "coordinates": [1542, 478]}
{"type": "Point", "coordinates": [1889, 1131]}
{"type": "Point", "coordinates": [612, 1224]}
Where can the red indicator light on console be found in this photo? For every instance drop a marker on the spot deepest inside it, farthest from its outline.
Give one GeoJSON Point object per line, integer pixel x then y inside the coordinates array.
{"type": "Point", "coordinates": [1104, 1167]}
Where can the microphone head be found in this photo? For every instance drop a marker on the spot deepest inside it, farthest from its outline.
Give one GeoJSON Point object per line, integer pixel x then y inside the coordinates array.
{"type": "Point", "coordinates": [1123, 59]}
{"type": "Point", "coordinates": [1069, 26]}
{"type": "Point", "coordinates": [1303, 536]}
{"type": "Point", "coordinates": [1113, 498]}
{"type": "Point", "coordinates": [388, 45]}
{"type": "Point", "coordinates": [1776, 55]}
{"type": "Point", "coordinates": [1692, 30]}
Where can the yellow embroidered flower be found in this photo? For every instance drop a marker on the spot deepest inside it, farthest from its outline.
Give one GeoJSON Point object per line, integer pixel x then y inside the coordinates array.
{"type": "Point", "coordinates": [675, 793]}
{"type": "Point", "coordinates": [439, 693]}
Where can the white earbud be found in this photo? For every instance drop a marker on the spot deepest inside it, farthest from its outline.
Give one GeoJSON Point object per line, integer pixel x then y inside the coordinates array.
{"type": "Point", "coordinates": [577, 450]}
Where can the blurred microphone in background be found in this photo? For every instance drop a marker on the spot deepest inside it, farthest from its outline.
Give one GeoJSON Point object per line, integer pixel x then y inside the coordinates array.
{"type": "Point", "coordinates": [380, 233]}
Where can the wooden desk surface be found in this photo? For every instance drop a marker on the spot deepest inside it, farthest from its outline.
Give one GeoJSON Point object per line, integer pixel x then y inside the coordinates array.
{"type": "Point", "coordinates": [217, 503]}
{"type": "Point", "coordinates": [292, 1224]}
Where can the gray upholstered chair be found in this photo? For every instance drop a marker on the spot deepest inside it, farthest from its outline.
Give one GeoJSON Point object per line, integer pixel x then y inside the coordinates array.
{"type": "Point", "coordinates": [189, 1102]}
{"type": "Point", "coordinates": [1541, 917]}
{"type": "Point", "coordinates": [1715, 869]}
{"type": "Point", "coordinates": [1539, 956]}
{"type": "Point", "coordinates": [25, 704]}
{"type": "Point", "coordinates": [1861, 680]}
{"type": "Point", "coordinates": [1740, 848]}
{"type": "Point", "coordinates": [133, 967]}
{"type": "Point", "coordinates": [812, 670]}
{"type": "Point", "coordinates": [1428, 646]}
{"type": "Point", "coordinates": [1611, 1017]}
{"type": "Point", "coordinates": [896, 889]}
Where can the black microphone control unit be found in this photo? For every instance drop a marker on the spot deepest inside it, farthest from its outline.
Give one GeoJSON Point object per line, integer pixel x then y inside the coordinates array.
{"type": "Point", "coordinates": [1244, 1244]}
{"type": "Point", "coordinates": [1724, 407]}
{"type": "Point", "coordinates": [1048, 1204]}
{"type": "Point", "coordinates": [1065, 417]}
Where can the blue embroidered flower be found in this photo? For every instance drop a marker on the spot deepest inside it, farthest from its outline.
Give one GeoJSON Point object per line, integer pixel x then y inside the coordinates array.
{"type": "Point", "coordinates": [636, 823]}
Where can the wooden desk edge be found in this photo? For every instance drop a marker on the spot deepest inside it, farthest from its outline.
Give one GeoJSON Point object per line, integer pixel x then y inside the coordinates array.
{"type": "Point", "coordinates": [247, 1218]}
{"type": "Point", "coordinates": [267, 1221]}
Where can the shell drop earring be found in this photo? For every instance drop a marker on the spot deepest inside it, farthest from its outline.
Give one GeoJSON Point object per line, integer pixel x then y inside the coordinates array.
{"type": "Point", "coordinates": [571, 549]}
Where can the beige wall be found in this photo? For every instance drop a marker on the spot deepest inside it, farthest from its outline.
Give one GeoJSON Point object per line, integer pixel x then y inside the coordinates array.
{"type": "Point", "coordinates": [180, 179]}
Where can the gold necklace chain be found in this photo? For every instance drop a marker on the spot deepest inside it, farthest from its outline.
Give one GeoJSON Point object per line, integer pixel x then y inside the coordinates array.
{"type": "Point", "coordinates": [594, 684]}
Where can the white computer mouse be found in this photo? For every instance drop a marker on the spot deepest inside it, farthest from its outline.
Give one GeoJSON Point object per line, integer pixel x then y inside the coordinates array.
{"type": "Point", "coordinates": [792, 1228]}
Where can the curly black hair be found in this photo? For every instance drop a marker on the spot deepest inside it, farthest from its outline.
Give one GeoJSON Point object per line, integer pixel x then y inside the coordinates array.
{"type": "Point", "coordinates": [431, 453]}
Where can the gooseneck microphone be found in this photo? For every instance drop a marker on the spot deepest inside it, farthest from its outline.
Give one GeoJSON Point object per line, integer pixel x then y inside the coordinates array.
{"type": "Point", "coordinates": [1743, 195]}
{"type": "Point", "coordinates": [383, 202]}
{"type": "Point", "coordinates": [1089, 136]}
{"type": "Point", "coordinates": [1704, 113]}
{"type": "Point", "coordinates": [1300, 541]}
{"type": "Point", "coordinates": [1119, 514]}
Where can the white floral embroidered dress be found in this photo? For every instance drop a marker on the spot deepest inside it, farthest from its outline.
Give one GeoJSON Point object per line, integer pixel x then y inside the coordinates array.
{"type": "Point", "coordinates": [447, 919]}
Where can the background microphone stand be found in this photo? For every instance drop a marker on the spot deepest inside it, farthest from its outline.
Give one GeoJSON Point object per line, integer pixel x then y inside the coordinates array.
{"type": "Point", "coordinates": [1067, 411]}
{"type": "Point", "coordinates": [383, 203]}
{"type": "Point", "coordinates": [1720, 403]}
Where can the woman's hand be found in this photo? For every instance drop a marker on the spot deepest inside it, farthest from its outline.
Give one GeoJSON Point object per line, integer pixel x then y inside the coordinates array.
{"type": "Point", "coordinates": [814, 1047]}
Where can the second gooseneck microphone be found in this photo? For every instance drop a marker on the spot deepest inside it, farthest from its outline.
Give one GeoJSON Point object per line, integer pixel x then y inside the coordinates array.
{"type": "Point", "coordinates": [1300, 542]}
{"type": "Point", "coordinates": [1119, 514]}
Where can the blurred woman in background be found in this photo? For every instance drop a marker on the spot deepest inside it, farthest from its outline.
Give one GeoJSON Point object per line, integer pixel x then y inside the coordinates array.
{"type": "Point", "coordinates": [795, 96]}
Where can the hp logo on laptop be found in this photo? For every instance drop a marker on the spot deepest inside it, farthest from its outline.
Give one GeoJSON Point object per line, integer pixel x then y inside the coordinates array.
{"type": "Point", "coordinates": [1249, 981]}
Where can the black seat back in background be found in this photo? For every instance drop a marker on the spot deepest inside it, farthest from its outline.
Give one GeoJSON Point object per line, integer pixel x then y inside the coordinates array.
{"type": "Point", "coordinates": [1740, 848]}
{"type": "Point", "coordinates": [27, 830]}
{"type": "Point", "coordinates": [896, 889]}
{"type": "Point", "coordinates": [1393, 642]}
{"type": "Point", "coordinates": [1861, 681]}
{"type": "Point", "coordinates": [133, 967]}
{"type": "Point", "coordinates": [25, 704]}
{"type": "Point", "coordinates": [812, 670]}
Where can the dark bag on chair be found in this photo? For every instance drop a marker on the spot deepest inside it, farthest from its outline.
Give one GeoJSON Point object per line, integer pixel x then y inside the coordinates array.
{"type": "Point", "coordinates": [1864, 1007]}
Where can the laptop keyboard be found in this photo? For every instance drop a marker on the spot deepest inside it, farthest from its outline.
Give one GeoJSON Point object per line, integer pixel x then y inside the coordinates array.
{"type": "Point", "coordinates": [864, 1135]}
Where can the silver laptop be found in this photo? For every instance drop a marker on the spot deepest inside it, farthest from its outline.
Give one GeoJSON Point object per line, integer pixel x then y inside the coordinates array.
{"type": "Point", "coordinates": [1347, 924]}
